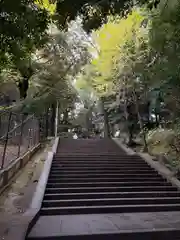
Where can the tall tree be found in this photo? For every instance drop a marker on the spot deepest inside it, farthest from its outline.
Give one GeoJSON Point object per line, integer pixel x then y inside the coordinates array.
{"type": "Point", "coordinates": [95, 12]}
{"type": "Point", "coordinates": [56, 66]}
{"type": "Point", "coordinates": [23, 28]}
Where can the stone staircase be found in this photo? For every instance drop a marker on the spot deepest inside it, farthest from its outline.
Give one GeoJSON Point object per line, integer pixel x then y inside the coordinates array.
{"type": "Point", "coordinates": [95, 189]}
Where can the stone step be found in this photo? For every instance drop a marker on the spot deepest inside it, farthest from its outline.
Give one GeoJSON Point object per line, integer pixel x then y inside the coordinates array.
{"type": "Point", "coordinates": [56, 196]}
{"type": "Point", "coordinates": [110, 201]}
{"type": "Point", "coordinates": [94, 186]}
{"type": "Point", "coordinates": [76, 189]}
{"type": "Point", "coordinates": [99, 165]}
{"type": "Point", "coordinates": [97, 161]}
{"type": "Point", "coordinates": [93, 156]}
{"type": "Point", "coordinates": [130, 226]}
{"type": "Point", "coordinates": [62, 174]}
{"type": "Point", "coordinates": [102, 169]}
{"type": "Point", "coordinates": [61, 179]}
{"type": "Point", "coordinates": [108, 184]}
{"type": "Point", "coordinates": [109, 209]}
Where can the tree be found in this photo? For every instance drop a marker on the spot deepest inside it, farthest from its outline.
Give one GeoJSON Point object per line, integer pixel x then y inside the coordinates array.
{"type": "Point", "coordinates": [124, 53]}
{"type": "Point", "coordinates": [23, 29]}
{"type": "Point", "coordinates": [139, 53]}
{"type": "Point", "coordinates": [63, 58]}
{"type": "Point", "coordinates": [95, 12]}
{"type": "Point", "coordinates": [55, 67]}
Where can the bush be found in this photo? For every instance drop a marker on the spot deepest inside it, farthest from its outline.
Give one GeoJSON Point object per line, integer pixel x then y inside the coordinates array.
{"type": "Point", "coordinates": [165, 142]}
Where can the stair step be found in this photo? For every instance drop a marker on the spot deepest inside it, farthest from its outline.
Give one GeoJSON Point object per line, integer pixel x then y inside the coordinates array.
{"type": "Point", "coordinates": [62, 179]}
{"type": "Point", "coordinates": [104, 166]}
{"type": "Point", "coordinates": [88, 227]}
{"type": "Point", "coordinates": [108, 155]}
{"type": "Point", "coordinates": [110, 201]}
{"type": "Point", "coordinates": [96, 177]}
{"type": "Point", "coordinates": [108, 189]}
{"type": "Point", "coordinates": [95, 158]}
{"type": "Point", "coordinates": [96, 153]}
{"type": "Point", "coordinates": [56, 196]}
{"type": "Point", "coordinates": [103, 169]}
{"type": "Point", "coordinates": [90, 155]}
{"type": "Point", "coordinates": [98, 156]}
{"type": "Point", "coordinates": [112, 162]}
{"type": "Point", "coordinates": [108, 184]}
{"type": "Point", "coordinates": [57, 174]}
{"type": "Point", "coordinates": [109, 209]}
{"type": "Point", "coordinates": [98, 159]}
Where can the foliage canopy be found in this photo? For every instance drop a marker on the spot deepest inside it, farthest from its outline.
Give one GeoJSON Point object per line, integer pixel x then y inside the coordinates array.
{"type": "Point", "coordinates": [95, 12]}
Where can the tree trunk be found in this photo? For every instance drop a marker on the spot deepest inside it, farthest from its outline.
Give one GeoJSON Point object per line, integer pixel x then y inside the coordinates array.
{"type": "Point", "coordinates": [26, 73]}
{"type": "Point", "coordinates": [129, 129]}
{"type": "Point", "coordinates": [157, 119]}
{"type": "Point", "coordinates": [65, 120]}
{"type": "Point", "coordinates": [107, 133]}
{"type": "Point", "coordinates": [140, 122]}
{"type": "Point", "coordinates": [106, 125]}
{"type": "Point", "coordinates": [23, 88]}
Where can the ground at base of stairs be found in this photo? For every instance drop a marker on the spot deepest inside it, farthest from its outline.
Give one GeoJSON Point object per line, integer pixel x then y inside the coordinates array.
{"type": "Point", "coordinates": [99, 224]}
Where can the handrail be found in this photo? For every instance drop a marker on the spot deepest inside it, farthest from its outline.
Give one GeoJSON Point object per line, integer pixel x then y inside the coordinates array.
{"type": "Point", "coordinates": [19, 125]}
{"type": "Point", "coordinates": [8, 111]}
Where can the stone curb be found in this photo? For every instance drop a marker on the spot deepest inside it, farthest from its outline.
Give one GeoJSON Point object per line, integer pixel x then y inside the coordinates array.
{"type": "Point", "coordinates": [129, 151]}
{"type": "Point", "coordinates": [32, 214]}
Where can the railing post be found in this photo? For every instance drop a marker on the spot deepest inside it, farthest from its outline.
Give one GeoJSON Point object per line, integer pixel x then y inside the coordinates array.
{"type": "Point", "coordinates": [53, 117]}
{"type": "Point", "coordinates": [47, 123]}
{"type": "Point", "coordinates": [38, 131]}
{"type": "Point", "coordinates": [0, 124]}
{"type": "Point", "coordinates": [6, 140]}
{"type": "Point", "coordinates": [33, 132]}
{"type": "Point", "coordinates": [21, 134]}
{"type": "Point", "coordinates": [56, 119]}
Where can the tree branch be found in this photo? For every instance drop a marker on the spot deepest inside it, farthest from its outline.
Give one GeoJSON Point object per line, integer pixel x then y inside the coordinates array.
{"type": "Point", "coordinates": [153, 61]}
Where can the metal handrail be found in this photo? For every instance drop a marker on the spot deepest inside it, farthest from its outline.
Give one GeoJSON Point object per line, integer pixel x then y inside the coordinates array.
{"type": "Point", "coordinates": [19, 125]}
